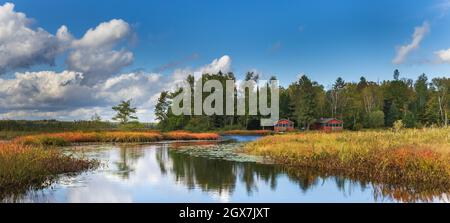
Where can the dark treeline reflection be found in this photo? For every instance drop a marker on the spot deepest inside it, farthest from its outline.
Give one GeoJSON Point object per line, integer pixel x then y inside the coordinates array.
{"type": "Point", "coordinates": [225, 177]}
{"type": "Point", "coordinates": [218, 175]}
{"type": "Point", "coordinates": [222, 176]}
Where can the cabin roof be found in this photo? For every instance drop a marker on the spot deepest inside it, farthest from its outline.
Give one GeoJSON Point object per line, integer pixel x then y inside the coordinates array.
{"type": "Point", "coordinates": [326, 120]}
{"type": "Point", "coordinates": [283, 120]}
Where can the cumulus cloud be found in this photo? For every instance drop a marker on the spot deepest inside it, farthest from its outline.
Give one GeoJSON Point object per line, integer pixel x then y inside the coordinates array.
{"type": "Point", "coordinates": [98, 64]}
{"type": "Point", "coordinates": [222, 64]}
{"type": "Point", "coordinates": [45, 89]}
{"type": "Point", "coordinates": [22, 46]}
{"type": "Point", "coordinates": [53, 95]}
{"type": "Point", "coordinates": [417, 37]}
{"type": "Point", "coordinates": [443, 56]}
{"type": "Point", "coordinates": [97, 54]}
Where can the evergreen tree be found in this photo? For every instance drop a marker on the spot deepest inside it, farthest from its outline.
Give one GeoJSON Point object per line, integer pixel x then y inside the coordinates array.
{"type": "Point", "coordinates": [125, 112]}
{"type": "Point", "coordinates": [305, 101]}
{"type": "Point", "coordinates": [162, 109]}
{"type": "Point", "coordinates": [392, 115]}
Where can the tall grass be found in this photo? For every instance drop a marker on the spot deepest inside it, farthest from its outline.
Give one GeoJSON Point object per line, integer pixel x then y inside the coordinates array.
{"type": "Point", "coordinates": [413, 157]}
{"type": "Point", "coordinates": [184, 135]}
{"type": "Point", "coordinates": [66, 138]}
{"type": "Point", "coordinates": [24, 167]}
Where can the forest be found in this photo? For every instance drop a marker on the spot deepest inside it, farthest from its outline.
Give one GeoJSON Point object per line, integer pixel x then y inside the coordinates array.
{"type": "Point", "coordinates": [364, 104]}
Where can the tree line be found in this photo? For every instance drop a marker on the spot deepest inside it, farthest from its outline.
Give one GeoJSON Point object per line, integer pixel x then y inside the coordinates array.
{"type": "Point", "coordinates": [361, 104]}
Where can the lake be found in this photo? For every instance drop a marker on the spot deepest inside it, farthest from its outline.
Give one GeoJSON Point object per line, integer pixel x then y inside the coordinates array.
{"type": "Point", "coordinates": [165, 172]}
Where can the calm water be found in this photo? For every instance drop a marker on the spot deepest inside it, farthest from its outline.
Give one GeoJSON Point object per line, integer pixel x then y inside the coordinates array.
{"type": "Point", "coordinates": [161, 173]}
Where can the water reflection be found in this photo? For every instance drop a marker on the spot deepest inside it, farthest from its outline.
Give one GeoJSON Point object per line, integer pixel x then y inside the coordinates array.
{"type": "Point", "coordinates": [161, 173]}
{"type": "Point", "coordinates": [217, 175]}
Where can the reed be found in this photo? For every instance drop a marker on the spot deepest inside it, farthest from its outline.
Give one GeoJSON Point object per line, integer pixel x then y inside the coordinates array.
{"type": "Point", "coordinates": [412, 157]}
{"type": "Point", "coordinates": [24, 167]}
{"type": "Point", "coordinates": [184, 135]}
{"type": "Point", "coordinates": [67, 138]}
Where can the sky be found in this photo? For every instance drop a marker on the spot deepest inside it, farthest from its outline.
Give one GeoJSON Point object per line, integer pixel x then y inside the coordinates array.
{"type": "Point", "coordinates": [70, 59]}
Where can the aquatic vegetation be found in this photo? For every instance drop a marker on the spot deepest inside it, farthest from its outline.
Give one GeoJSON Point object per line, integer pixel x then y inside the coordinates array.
{"type": "Point", "coordinates": [24, 167]}
{"type": "Point", "coordinates": [247, 132]}
{"type": "Point", "coordinates": [227, 151]}
{"type": "Point", "coordinates": [418, 158]}
{"type": "Point", "coordinates": [66, 138]}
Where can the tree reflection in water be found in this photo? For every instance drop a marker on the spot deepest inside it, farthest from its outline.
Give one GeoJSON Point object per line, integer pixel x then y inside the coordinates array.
{"type": "Point", "coordinates": [220, 176]}
{"type": "Point", "coordinates": [129, 155]}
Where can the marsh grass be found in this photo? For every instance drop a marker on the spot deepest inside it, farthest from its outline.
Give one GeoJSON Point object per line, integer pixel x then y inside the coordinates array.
{"type": "Point", "coordinates": [415, 158]}
{"type": "Point", "coordinates": [24, 167]}
{"type": "Point", "coordinates": [67, 138]}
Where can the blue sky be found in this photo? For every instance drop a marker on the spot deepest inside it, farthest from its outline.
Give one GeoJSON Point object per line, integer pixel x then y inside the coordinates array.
{"type": "Point", "coordinates": [323, 38]}
{"type": "Point", "coordinates": [152, 43]}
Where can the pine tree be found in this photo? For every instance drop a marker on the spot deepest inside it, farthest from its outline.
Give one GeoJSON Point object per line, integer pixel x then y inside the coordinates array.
{"type": "Point", "coordinates": [125, 112]}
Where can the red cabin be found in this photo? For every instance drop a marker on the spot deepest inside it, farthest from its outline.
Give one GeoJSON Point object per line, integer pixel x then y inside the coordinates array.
{"type": "Point", "coordinates": [329, 124]}
{"type": "Point", "coordinates": [284, 125]}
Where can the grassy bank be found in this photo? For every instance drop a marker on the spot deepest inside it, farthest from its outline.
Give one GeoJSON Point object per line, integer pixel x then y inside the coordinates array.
{"type": "Point", "coordinates": [24, 167]}
{"type": "Point", "coordinates": [66, 138]}
{"type": "Point", "coordinates": [411, 157]}
{"type": "Point", "coordinates": [32, 161]}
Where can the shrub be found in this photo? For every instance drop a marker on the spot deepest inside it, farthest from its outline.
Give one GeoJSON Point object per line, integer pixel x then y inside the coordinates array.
{"type": "Point", "coordinates": [375, 119]}
{"type": "Point", "coordinates": [398, 126]}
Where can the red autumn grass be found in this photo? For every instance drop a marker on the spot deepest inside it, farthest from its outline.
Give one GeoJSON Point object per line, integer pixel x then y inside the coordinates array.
{"type": "Point", "coordinates": [184, 135]}
{"type": "Point", "coordinates": [66, 138]}
{"type": "Point", "coordinates": [247, 132]}
{"type": "Point", "coordinates": [23, 167]}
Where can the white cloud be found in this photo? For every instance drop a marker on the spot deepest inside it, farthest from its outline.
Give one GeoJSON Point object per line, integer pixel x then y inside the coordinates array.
{"type": "Point", "coordinates": [21, 46]}
{"type": "Point", "coordinates": [97, 54]}
{"type": "Point", "coordinates": [98, 64]}
{"type": "Point", "coordinates": [52, 95]}
{"type": "Point", "coordinates": [443, 56]}
{"type": "Point", "coordinates": [417, 37]}
{"type": "Point", "coordinates": [62, 95]}
{"type": "Point", "coordinates": [105, 35]}
{"type": "Point", "coordinates": [222, 64]}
